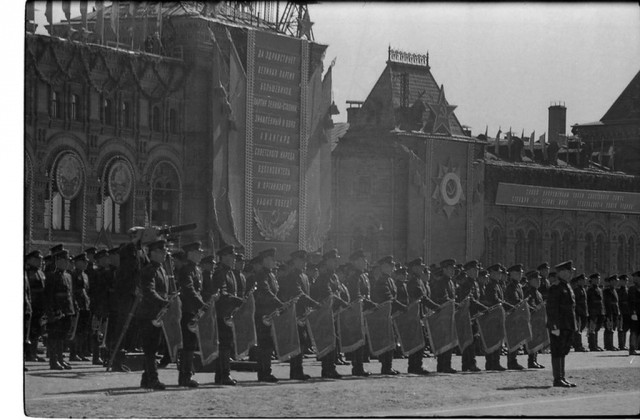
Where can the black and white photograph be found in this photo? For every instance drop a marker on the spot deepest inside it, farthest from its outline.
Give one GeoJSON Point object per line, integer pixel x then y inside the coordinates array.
{"type": "Point", "coordinates": [323, 209]}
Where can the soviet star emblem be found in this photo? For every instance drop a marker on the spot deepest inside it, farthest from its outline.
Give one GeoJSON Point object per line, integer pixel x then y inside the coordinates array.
{"type": "Point", "coordinates": [441, 112]}
{"type": "Point", "coordinates": [448, 193]}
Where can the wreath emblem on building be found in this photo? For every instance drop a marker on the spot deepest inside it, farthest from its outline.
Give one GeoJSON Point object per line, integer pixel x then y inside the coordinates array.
{"type": "Point", "coordinates": [272, 227]}
{"type": "Point", "coordinates": [69, 176]}
{"type": "Point", "coordinates": [448, 193]}
{"type": "Point", "coordinates": [120, 182]}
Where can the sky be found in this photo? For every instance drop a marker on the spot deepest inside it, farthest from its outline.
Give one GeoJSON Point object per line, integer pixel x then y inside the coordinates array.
{"type": "Point", "coordinates": [501, 64]}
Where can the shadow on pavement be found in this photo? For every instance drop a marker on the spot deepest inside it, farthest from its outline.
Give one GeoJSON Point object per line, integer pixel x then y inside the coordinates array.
{"type": "Point", "coordinates": [614, 355]}
{"type": "Point", "coordinates": [515, 388]}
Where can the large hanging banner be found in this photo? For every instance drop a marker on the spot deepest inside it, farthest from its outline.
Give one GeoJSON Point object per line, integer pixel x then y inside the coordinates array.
{"type": "Point", "coordinates": [408, 326]}
{"type": "Point", "coordinates": [491, 328]}
{"type": "Point", "coordinates": [517, 326]}
{"type": "Point", "coordinates": [277, 78]}
{"type": "Point", "coordinates": [244, 328]}
{"type": "Point", "coordinates": [207, 333]}
{"type": "Point", "coordinates": [171, 327]}
{"type": "Point", "coordinates": [351, 327]}
{"type": "Point", "coordinates": [539, 333]}
{"type": "Point", "coordinates": [284, 331]}
{"type": "Point", "coordinates": [463, 325]}
{"type": "Point", "coordinates": [321, 329]}
{"type": "Point", "coordinates": [380, 329]}
{"type": "Point", "coordinates": [441, 327]}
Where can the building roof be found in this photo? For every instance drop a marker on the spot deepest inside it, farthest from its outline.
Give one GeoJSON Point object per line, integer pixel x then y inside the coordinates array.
{"type": "Point", "coordinates": [627, 106]}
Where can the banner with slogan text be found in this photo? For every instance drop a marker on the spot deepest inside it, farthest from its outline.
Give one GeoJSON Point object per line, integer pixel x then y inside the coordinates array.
{"type": "Point", "coordinates": [275, 68]}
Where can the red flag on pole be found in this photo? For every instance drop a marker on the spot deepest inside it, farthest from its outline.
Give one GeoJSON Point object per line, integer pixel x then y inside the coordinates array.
{"type": "Point", "coordinates": [284, 331]}
{"type": "Point", "coordinates": [464, 332]}
{"type": "Point", "coordinates": [491, 328]}
{"type": "Point", "coordinates": [408, 327]}
{"type": "Point", "coordinates": [517, 326]}
{"type": "Point", "coordinates": [243, 325]}
{"type": "Point", "coordinates": [207, 333]}
{"type": "Point", "coordinates": [351, 327]}
{"type": "Point", "coordinates": [441, 327]}
{"type": "Point", "coordinates": [321, 329]}
{"type": "Point", "coordinates": [539, 332]}
{"type": "Point", "coordinates": [380, 329]}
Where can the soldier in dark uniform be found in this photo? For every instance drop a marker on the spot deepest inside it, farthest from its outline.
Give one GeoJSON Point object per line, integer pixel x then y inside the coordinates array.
{"type": "Point", "coordinates": [50, 264]}
{"type": "Point", "coordinates": [190, 284]}
{"type": "Point", "coordinates": [59, 308]}
{"type": "Point", "coordinates": [596, 311]}
{"type": "Point", "coordinates": [327, 285]}
{"type": "Point", "coordinates": [226, 285]}
{"type": "Point", "coordinates": [417, 291]}
{"type": "Point", "coordinates": [241, 280]}
{"type": "Point", "coordinates": [251, 269]}
{"type": "Point", "coordinates": [207, 267]}
{"type": "Point", "coordinates": [611, 310]}
{"type": "Point", "coordinates": [99, 298]}
{"type": "Point", "coordinates": [634, 313]}
{"type": "Point", "coordinates": [359, 287]}
{"type": "Point", "coordinates": [468, 287]}
{"type": "Point", "coordinates": [36, 279]}
{"type": "Point", "coordinates": [113, 304]}
{"type": "Point", "coordinates": [543, 269]}
{"type": "Point", "coordinates": [534, 298]}
{"type": "Point", "coordinates": [384, 289]}
{"type": "Point", "coordinates": [442, 290]}
{"type": "Point", "coordinates": [513, 295]}
{"type": "Point", "coordinates": [80, 283]}
{"type": "Point", "coordinates": [582, 310]}
{"type": "Point", "coordinates": [493, 295]}
{"type": "Point", "coordinates": [625, 315]}
{"type": "Point", "coordinates": [266, 302]}
{"type": "Point", "coordinates": [296, 284]}
{"type": "Point", "coordinates": [155, 286]}
{"type": "Point", "coordinates": [561, 321]}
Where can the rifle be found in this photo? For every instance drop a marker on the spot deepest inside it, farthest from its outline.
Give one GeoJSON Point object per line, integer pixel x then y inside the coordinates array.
{"type": "Point", "coordinates": [125, 327]}
{"type": "Point", "coordinates": [153, 233]}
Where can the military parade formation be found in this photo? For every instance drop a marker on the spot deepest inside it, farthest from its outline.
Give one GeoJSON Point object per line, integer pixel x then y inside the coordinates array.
{"type": "Point", "coordinates": [174, 304]}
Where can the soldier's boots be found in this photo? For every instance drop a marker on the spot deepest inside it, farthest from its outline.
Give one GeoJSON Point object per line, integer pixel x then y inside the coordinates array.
{"type": "Point", "coordinates": [608, 341]}
{"type": "Point", "coordinates": [186, 371]}
{"type": "Point", "coordinates": [622, 338]}
{"type": "Point", "coordinates": [185, 379]}
{"type": "Point", "coordinates": [153, 383]}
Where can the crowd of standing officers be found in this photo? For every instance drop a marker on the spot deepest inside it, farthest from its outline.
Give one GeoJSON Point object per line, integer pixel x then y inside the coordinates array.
{"type": "Point", "coordinates": [101, 304]}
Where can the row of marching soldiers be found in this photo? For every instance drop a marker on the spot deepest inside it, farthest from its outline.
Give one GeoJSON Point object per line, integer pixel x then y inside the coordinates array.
{"type": "Point", "coordinates": [102, 315]}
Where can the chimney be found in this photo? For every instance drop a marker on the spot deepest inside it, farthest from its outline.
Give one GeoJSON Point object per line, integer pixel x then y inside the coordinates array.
{"type": "Point", "coordinates": [353, 111]}
{"type": "Point", "coordinates": [557, 121]}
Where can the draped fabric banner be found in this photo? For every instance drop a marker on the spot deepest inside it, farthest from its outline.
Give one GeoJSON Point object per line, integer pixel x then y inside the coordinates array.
{"type": "Point", "coordinates": [409, 329]}
{"type": "Point", "coordinates": [171, 328]}
{"type": "Point", "coordinates": [207, 334]}
{"type": "Point", "coordinates": [284, 331]}
{"type": "Point", "coordinates": [463, 325]}
{"type": "Point", "coordinates": [539, 333]}
{"type": "Point", "coordinates": [517, 326]}
{"type": "Point", "coordinates": [491, 328]}
{"type": "Point", "coordinates": [321, 329]}
{"type": "Point", "coordinates": [441, 327]}
{"type": "Point", "coordinates": [380, 329]}
{"type": "Point", "coordinates": [351, 327]}
{"type": "Point", "coordinates": [244, 327]}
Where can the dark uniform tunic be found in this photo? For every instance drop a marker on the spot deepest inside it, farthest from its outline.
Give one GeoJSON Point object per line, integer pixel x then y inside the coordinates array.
{"type": "Point", "coordinates": [582, 309]}
{"type": "Point", "coordinates": [59, 303]}
{"type": "Point", "coordinates": [99, 292]}
{"type": "Point", "coordinates": [634, 309]}
{"type": "Point", "coordinates": [359, 285]}
{"type": "Point", "coordinates": [266, 298]}
{"type": "Point", "coordinates": [81, 298]}
{"type": "Point", "coordinates": [442, 290]}
{"type": "Point", "coordinates": [596, 307]}
{"type": "Point", "coordinates": [612, 311]}
{"type": "Point", "coordinates": [532, 296]}
{"type": "Point", "coordinates": [224, 283]}
{"type": "Point", "coordinates": [623, 304]}
{"type": "Point", "coordinates": [36, 279]}
{"type": "Point", "coordinates": [561, 316]}
{"type": "Point", "coordinates": [190, 284]}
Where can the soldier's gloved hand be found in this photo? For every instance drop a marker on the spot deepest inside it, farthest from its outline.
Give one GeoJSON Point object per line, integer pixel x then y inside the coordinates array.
{"type": "Point", "coordinates": [555, 332]}
{"type": "Point", "coordinates": [634, 317]}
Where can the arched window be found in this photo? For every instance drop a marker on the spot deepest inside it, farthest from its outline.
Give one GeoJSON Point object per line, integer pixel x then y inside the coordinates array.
{"type": "Point", "coordinates": [54, 108]}
{"type": "Point", "coordinates": [165, 195]}
{"type": "Point", "coordinates": [108, 111]}
{"type": "Point", "coordinates": [622, 254]}
{"type": "Point", "coordinates": [494, 246]}
{"type": "Point", "coordinates": [74, 110]}
{"type": "Point", "coordinates": [173, 121]}
{"type": "Point", "coordinates": [114, 203]}
{"type": "Point", "coordinates": [588, 253]}
{"type": "Point", "coordinates": [520, 247]}
{"type": "Point", "coordinates": [600, 262]}
{"type": "Point", "coordinates": [63, 198]}
{"type": "Point", "coordinates": [532, 249]}
{"type": "Point", "coordinates": [566, 248]}
{"type": "Point", "coordinates": [554, 250]}
{"type": "Point", "coordinates": [155, 119]}
{"type": "Point", "coordinates": [126, 114]}
{"type": "Point", "coordinates": [632, 259]}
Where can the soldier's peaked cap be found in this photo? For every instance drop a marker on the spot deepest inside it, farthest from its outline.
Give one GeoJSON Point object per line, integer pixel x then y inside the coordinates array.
{"type": "Point", "coordinates": [387, 260]}
{"type": "Point", "coordinates": [255, 260]}
{"type": "Point", "coordinates": [179, 255]}
{"type": "Point", "coordinates": [594, 276]}
{"type": "Point", "coordinates": [494, 267]}
{"type": "Point", "coordinates": [567, 265]}
{"type": "Point", "coordinates": [226, 250]}
{"type": "Point", "coordinates": [300, 254]}
{"type": "Point", "coordinates": [161, 244]}
{"type": "Point", "coordinates": [483, 273]}
{"type": "Point", "coordinates": [357, 255]}
{"type": "Point", "coordinates": [91, 250]}
{"type": "Point", "coordinates": [401, 270]}
{"type": "Point", "coordinates": [209, 259]}
{"type": "Point", "coordinates": [470, 264]}
{"type": "Point", "coordinates": [417, 262]}
{"type": "Point", "coordinates": [623, 277]}
{"type": "Point", "coordinates": [193, 246]}
{"type": "Point", "coordinates": [101, 253]}
{"type": "Point", "coordinates": [636, 274]}
{"type": "Point", "coordinates": [240, 257]}
{"type": "Point", "coordinates": [62, 254]}
{"type": "Point", "coordinates": [581, 276]}
{"type": "Point", "coordinates": [611, 278]}
{"type": "Point", "coordinates": [533, 274]}
{"type": "Point", "coordinates": [515, 267]}
{"type": "Point", "coordinates": [270, 252]}
{"type": "Point", "coordinates": [34, 254]}
{"type": "Point", "coordinates": [543, 266]}
{"type": "Point", "coordinates": [114, 251]}
{"type": "Point", "coordinates": [81, 257]}
{"type": "Point", "coordinates": [56, 248]}
{"type": "Point", "coordinates": [448, 263]}
{"type": "Point", "coordinates": [331, 254]}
